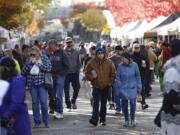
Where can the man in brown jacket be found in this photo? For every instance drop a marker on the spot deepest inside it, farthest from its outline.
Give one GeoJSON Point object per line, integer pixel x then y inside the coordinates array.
{"type": "Point", "coordinates": [100, 71]}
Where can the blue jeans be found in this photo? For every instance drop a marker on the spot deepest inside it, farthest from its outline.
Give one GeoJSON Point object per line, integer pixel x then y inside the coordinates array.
{"type": "Point", "coordinates": [117, 99]}
{"type": "Point", "coordinates": [58, 87]}
{"type": "Point", "coordinates": [132, 109]}
{"type": "Point", "coordinates": [102, 96]}
{"type": "Point", "coordinates": [39, 94]}
{"type": "Point", "coordinates": [74, 79]}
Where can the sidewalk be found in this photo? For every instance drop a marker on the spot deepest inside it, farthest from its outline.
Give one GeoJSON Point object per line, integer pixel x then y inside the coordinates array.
{"type": "Point", "coordinates": [76, 122]}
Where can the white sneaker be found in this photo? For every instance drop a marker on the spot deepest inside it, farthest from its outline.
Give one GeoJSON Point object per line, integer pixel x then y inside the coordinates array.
{"type": "Point", "coordinates": [58, 116]}
{"type": "Point", "coordinates": [68, 109]}
{"type": "Point", "coordinates": [117, 113]}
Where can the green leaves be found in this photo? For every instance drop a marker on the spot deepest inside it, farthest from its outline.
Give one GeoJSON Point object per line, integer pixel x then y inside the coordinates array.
{"type": "Point", "coordinates": [40, 4]}
{"type": "Point", "coordinates": [93, 19]}
{"type": "Point", "coordinates": [10, 11]}
{"type": "Point", "coordinates": [14, 13]}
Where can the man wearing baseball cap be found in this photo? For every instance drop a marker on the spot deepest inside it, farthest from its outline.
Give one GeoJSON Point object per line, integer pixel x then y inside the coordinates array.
{"type": "Point", "coordinates": [72, 74]}
{"type": "Point", "coordinates": [60, 66]}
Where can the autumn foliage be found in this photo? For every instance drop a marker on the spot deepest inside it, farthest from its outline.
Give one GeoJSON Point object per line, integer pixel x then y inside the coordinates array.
{"type": "Point", "coordinates": [132, 10]}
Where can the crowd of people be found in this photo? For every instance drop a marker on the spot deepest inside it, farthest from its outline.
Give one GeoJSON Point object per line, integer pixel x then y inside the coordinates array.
{"type": "Point", "coordinates": [119, 75]}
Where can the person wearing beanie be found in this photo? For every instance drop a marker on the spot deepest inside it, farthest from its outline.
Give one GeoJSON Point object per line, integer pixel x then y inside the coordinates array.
{"type": "Point", "coordinates": [35, 70]}
{"type": "Point", "coordinates": [100, 71]}
{"type": "Point", "coordinates": [128, 82]}
{"type": "Point", "coordinates": [13, 110]}
{"type": "Point", "coordinates": [114, 98]}
{"type": "Point", "coordinates": [169, 113]}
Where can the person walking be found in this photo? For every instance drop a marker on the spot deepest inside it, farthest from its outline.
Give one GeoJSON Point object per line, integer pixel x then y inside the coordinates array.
{"type": "Point", "coordinates": [163, 58]}
{"type": "Point", "coordinates": [60, 66]}
{"type": "Point", "coordinates": [100, 71]}
{"type": "Point", "coordinates": [170, 110]}
{"type": "Point", "coordinates": [114, 96]}
{"type": "Point", "coordinates": [128, 81]}
{"type": "Point", "coordinates": [13, 110]}
{"type": "Point", "coordinates": [142, 64]}
{"type": "Point", "coordinates": [150, 72]}
{"type": "Point", "coordinates": [35, 71]}
{"type": "Point", "coordinates": [82, 52]}
{"type": "Point", "coordinates": [72, 76]}
{"type": "Point", "coordinates": [8, 53]}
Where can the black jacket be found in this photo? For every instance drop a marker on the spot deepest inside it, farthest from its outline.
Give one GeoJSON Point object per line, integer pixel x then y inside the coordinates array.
{"type": "Point", "coordinates": [138, 58]}
{"type": "Point", "coordinates": [60, 63]}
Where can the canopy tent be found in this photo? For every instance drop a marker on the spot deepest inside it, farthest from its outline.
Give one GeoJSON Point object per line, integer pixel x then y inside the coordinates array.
{"type": "Point", "coordinates": [149, 28]}
{"type": "Point", "coordinates": [172, 27]}
{"type": "Point", "coordinates": [155, 22]}
{"type": "Point", "coordinates": [109, 18]}
{"type": "Point", "coordinates": [114, 32]}
{"type": "Point", "coordinates": [137, 32]}
{"type": "Point", "coordinates": [170, 19]}
{"type": "Point", "coordinates": [118, 32]}
{"type": "Point", "coordinates": [131, 26]}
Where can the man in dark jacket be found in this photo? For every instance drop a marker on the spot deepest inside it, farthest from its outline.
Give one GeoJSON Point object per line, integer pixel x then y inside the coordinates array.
{"type": "Point", "coordinates": [60, 66]}
{"type": "Point", "coordinates": [142, 64]}
{"type": "Point", "coordinates": [73, 57]}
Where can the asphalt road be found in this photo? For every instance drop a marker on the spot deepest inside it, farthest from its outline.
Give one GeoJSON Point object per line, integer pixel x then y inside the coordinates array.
{"type": "Point", "coordinates": [76, 122]}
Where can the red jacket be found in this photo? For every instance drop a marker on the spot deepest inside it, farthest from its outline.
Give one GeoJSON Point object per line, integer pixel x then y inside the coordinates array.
{"type": "Point", "coordinates": [165, 55]}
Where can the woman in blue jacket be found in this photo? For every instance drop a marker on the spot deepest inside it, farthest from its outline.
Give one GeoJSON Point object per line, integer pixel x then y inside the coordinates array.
{"type": "Point", "coordinates": [13, 109]}
{"type": "Point", "coordinates": [129, 84]}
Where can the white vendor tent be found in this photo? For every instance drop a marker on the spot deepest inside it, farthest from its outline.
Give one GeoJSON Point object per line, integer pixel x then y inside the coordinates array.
{"type": "Point", "coordinates": [137, 32]}
{"type": "Point", "coordinates": [148, 30]}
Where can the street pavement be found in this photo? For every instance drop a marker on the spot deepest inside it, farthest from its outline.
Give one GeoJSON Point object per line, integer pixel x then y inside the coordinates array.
{"type": "Point", "coordinates": [76, 122]}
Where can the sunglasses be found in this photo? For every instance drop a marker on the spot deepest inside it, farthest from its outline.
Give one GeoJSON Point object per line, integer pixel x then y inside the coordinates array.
{"type": "Point", "coordinates": [68, 42]}
{"type": "Point", "coordinates": [136, 47]}
{"type": "Point", "coordinates": [33, 55]}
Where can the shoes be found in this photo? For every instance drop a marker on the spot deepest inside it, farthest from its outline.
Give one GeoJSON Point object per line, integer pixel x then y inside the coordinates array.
{"type": "Point", "coordinates": [58, 116]}
{"type": "Point", "coordinates": [46, 126]}
{"type": "Point", "coordinates": [133, 124]}
{"type": "Point", "coordinates": [103, 123]}
{"type": "Point", "coordinates": [111, 107]}
{"type": "Point", "coordinates": [91, 101]}
{"type": "Point", "coordinates": [36, 125]}
{"type": "Point", "coordinates": [93, 122]}
{"type": "Point", "coordinates": [51, 112]}
{"type": "Point", "coordinates": [148, 95]}
{"type": "Point", "coordinates": [126, 124]}
{"type": "Point", "coordinates": [144, 106]}
{"type": "Point", "coordinates": [68, 109]}
{"type": "Point", "coordinates": [117, 113]}
{"type": "Point", "coordinates": [74, 106]}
